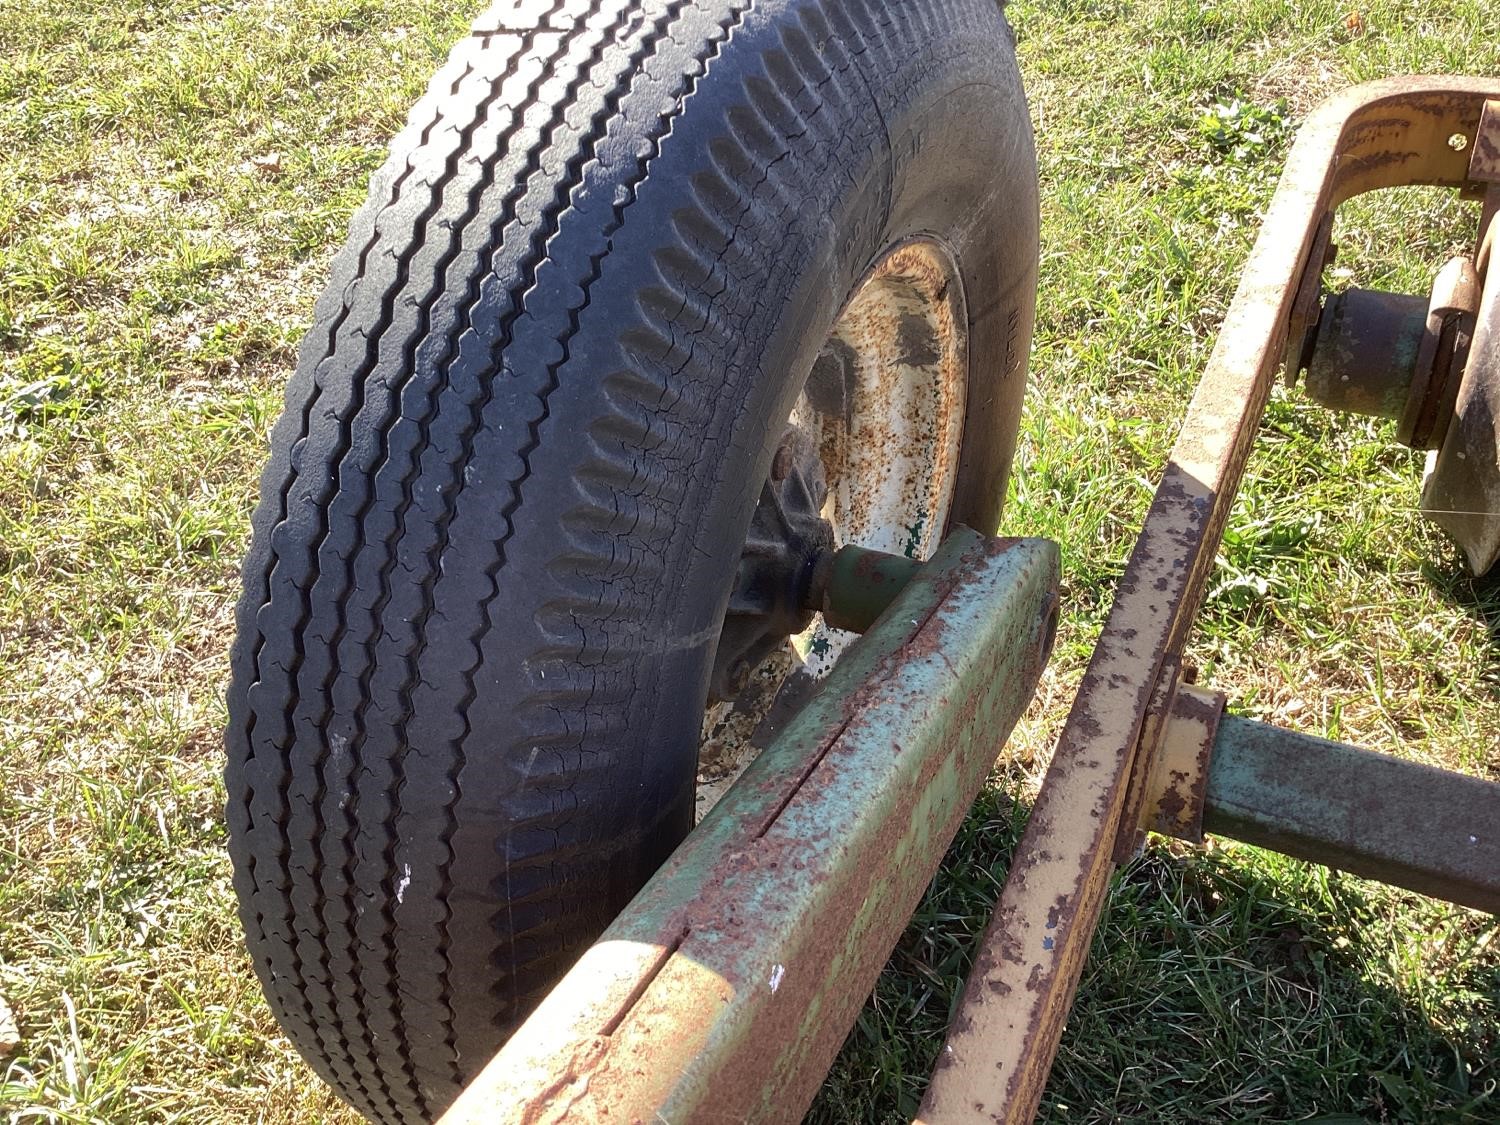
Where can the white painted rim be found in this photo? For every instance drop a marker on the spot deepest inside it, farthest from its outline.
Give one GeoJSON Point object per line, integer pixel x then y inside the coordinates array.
{"type": "Point", "coordinates": [891, 459]}
{"type": "Point", "coordinates": [889, 446]}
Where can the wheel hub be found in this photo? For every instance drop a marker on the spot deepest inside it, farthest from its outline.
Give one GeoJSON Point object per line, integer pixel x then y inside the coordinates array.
{"type": "Point", "coordinates": [788, 535]}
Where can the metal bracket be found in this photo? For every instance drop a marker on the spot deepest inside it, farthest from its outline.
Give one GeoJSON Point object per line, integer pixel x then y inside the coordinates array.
{"type": "Point", "coordinates": [1148, 751]}
{"type": "Point", "coordinates": [1179, 782]}
{"type": "Point", "coordinates": [1302, 326]}
{"type": "Point", "coordinates": [1006, 1031]}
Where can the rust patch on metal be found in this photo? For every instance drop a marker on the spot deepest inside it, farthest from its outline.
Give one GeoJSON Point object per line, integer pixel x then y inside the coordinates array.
{"type": "Point", "coordinates": [1484, 162]}
{"type": "Point", "coordinates": [886, 401]}
{"type": "Point", "coordinates": [904, 333]}
{"type": "Point", "coordinates": [1395, 133]}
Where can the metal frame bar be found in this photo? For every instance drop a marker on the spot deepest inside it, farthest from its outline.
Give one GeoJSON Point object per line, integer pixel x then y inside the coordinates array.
{"type": "Point", "coordinates": [724, 990]}
{"type": "Point", "coordinates": [1429, 830]}
{"type": "Point", "coordinates": [1000, 1048]}
{"type": "Point", "coordinates": [1404, 823]}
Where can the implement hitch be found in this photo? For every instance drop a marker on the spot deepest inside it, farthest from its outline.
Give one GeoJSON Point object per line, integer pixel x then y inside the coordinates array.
{"type": "Point", "coordinates": [725, 988]}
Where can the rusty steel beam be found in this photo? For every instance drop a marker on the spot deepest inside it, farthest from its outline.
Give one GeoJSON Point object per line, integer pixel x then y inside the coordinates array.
{"type": "Point", "coordinates": [1000, 1047]}
{"type": "Point", "coordinates": [724, 990]}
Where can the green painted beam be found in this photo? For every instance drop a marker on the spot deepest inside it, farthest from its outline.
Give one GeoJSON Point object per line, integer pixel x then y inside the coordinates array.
{"type": "Point", "coordinates": [724, 990]}
{"type": "Point", "coordinates": [1426, 829]}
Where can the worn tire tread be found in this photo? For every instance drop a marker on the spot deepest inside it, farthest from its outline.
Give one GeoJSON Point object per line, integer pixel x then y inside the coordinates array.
{"type": "Point", "coordinates": [392, 722]}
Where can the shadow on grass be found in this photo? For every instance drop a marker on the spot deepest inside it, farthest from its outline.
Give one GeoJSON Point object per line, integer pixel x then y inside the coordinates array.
{"type": "Point", "coordinates": [1224, 985]}
{"type": "Point", "coordinates": [1479, 598]}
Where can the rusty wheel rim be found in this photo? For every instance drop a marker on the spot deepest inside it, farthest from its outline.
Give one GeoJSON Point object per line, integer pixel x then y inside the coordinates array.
{"type": "Point", "coordinates": [889, 442]}
{"type": "Point", "coordinates": [884, 405]}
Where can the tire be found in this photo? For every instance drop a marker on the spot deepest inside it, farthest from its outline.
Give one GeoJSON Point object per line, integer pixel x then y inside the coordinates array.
{"type": "Point", "coordinates": [505, 503]}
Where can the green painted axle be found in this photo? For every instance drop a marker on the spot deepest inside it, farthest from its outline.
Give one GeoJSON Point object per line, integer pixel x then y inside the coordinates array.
{"type": "Point", "coordinates": [854, 586]}
{"type": "Point", "coordinates": [1414, 826]}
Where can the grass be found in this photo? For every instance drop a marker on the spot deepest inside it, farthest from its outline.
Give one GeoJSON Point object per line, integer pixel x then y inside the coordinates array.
{"type": "Point", "coordinates": [173, 178]}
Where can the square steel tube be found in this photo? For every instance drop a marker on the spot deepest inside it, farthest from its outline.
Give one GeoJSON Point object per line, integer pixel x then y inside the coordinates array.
{"type": "Point", "coordinates": [724, 990]}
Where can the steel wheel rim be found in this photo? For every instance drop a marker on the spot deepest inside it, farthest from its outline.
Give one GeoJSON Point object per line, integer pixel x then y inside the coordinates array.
{"type": "Point", "coordinates": [885, 405]}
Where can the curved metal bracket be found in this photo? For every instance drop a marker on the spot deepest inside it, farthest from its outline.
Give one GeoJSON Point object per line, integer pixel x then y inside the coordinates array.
{"type": "Point", "coordinates": [1004, 1036]}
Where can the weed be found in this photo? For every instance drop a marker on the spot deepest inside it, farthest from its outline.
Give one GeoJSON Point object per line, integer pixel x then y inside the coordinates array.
{"type": "Point", "coordinates": [1244, 133]}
